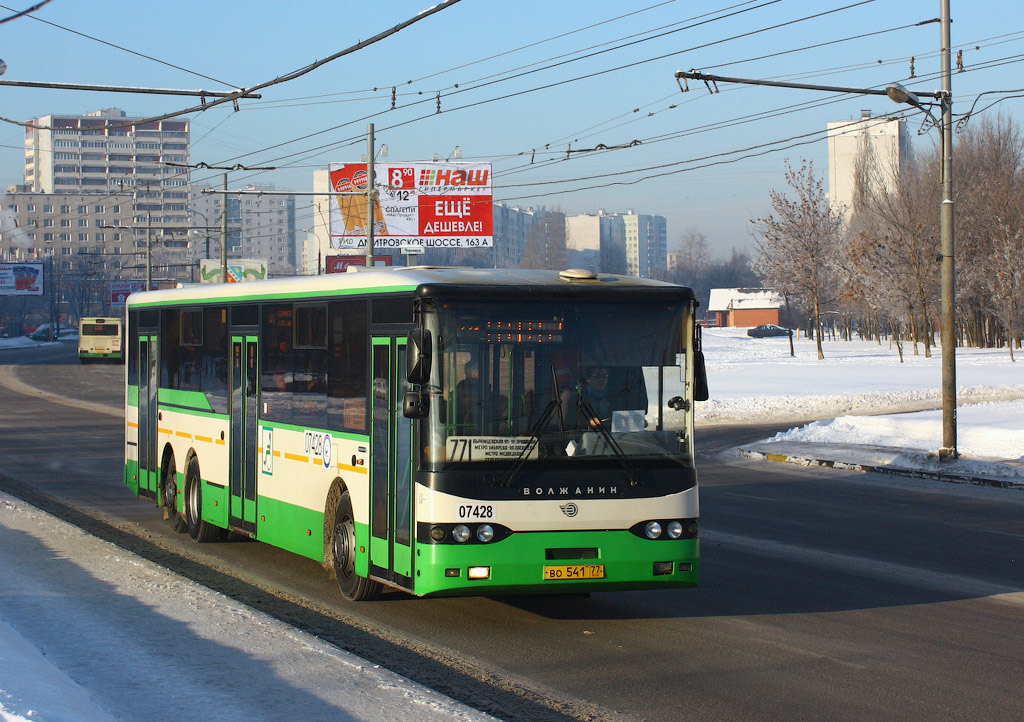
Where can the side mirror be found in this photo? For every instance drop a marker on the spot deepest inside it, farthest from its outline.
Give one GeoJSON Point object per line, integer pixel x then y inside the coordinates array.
{"type": "Point", "coordinates": [414, 405]}
{"type": "Point", "coordinates": [417, 356]}
{"type": "Point", "coordinates": [700, 377]}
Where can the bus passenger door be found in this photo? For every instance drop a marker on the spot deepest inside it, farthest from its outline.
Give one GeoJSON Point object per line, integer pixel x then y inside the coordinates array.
{"type": "Point", "coordinates": [391, 492]}
{"type": "Point", "coordinates": [243, 451]}
{"type": "Point", "coordinates": [149, 382]}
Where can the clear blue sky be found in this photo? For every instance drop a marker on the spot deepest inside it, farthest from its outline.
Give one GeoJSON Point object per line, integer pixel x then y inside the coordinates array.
{"type": "Point", "coordinates": [514, 78]}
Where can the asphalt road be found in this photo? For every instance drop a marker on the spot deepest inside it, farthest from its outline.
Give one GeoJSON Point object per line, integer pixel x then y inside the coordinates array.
{"type": "Point", "coordinates": [824, 594]}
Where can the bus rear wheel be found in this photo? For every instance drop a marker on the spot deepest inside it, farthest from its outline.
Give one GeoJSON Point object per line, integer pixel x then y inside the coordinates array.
{"type": "Point", "coordinates": [353, 587]}
{"type": "Point", "coordinates": [171, 514]}
{"type": "Point", "coordinates": [198, 529]}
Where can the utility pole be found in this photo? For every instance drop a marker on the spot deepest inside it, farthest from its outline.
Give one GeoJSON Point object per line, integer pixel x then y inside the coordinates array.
{"type": "Point", "coordinates": [371, 196]}
{"type": "Point", "coordinates": [224, 233]}
{"type": "Point", "coordinates": [149, 250]}
{"type": "Point", "coordinates": [898, 94]}
{"type": "Point", "coordinates": [947, 239]}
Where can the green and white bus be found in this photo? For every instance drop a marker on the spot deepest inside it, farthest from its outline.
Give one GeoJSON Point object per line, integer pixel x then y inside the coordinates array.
{"type": "Point", "coordinates": [432, 430]}
{"type": "Point", "coordinates": [100, 339]}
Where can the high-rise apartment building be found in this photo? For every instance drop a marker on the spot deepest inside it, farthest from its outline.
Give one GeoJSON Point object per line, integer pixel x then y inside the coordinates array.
{"type": "Point", "coordinates": [117, 160]}
{"type": "Point", "coordinates": [629, 243]}
{"type": "Point", "coordinates": [261, 225]}
{"type": "Point", "coordinates": [885, 139]}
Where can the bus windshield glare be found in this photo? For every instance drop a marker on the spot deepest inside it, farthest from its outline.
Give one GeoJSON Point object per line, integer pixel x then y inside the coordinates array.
{"type": "Point", "coordinates": [521, 382]}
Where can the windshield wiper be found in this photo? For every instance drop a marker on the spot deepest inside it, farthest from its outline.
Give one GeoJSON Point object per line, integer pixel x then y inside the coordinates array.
{"type": "Point", "coordinates": [587, 409]}
{"type": "Point", "coordinates": [531, 443]}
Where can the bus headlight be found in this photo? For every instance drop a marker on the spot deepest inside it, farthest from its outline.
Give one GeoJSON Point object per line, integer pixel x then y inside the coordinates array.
{"type": "Point", "coordinates": [675, 529]}
{"type": "Point", "coordinates": [485, 532]}
{"type": "Point", "coordinates": [461, 533]}
{"type": "Point", "coordinates": [652, 530]}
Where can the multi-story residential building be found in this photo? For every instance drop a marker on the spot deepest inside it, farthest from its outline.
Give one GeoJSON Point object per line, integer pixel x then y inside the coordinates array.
{"type": "Point", "coordinates": [886, 139]}
{"type": "Point", "coordinates": [71, 228]}
{"type": "Point", "coordinates": [261, 225]}
{"type": "Point", "coordinates": [583, 236]}
{"type": "Point", "coordinates": [630, 243]}
{"type": "Point", "coordinates": [114, 159]}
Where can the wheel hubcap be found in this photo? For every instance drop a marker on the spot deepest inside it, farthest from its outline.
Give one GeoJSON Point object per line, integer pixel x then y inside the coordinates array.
{"type": "Point", "coordinates": [170, 493]}
{"type": "Point", "coordinates": [344, 542]}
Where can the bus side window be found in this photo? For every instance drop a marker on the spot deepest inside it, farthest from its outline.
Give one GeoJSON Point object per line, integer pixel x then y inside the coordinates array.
{"type": "Point", "coordinates": [346, 365]}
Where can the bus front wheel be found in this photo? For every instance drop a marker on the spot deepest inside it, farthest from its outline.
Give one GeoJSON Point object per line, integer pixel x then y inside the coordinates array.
{"type": "Point", "coordinates": [353, 586]}
{"type": "Point", "coordinates": [198, 529]}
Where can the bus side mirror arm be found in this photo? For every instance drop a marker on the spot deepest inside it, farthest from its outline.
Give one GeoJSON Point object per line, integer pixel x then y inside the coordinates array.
{"type": "Point", "coordinates": [415, 405]}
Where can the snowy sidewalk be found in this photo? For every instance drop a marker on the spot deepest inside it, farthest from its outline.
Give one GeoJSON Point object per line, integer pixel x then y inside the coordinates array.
{"type": "Point", "coordinates": [990, 439]}
{"type": "Point", "coordinates": [82, 621]}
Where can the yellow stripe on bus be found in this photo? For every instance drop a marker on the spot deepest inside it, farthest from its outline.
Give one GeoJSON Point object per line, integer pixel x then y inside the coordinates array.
{"type": "Point", "coordinates": [169, 432]}
{"type": "Point", "coordinates": [132, 425]}
{"type": "Point", "coordinates": [183, 434]}
{"type": "Point", "coordinates": [296, 457]}
{"type": "Point", "coordinates": [204, 439]}
{"type": "Point", "coordinates": [356, 469]}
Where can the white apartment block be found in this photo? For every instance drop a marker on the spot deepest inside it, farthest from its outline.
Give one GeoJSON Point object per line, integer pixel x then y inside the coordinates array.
{"type": "Point", "coordinates": [886, 138]}
{"type": "Point", "coordinates": [261, 225]}
{"type": "Point", "coordinates": [74, 229]}
{"type": "Point", "coordinates": [630, 243]}
{"type": "Point", "coordinates": [117, 160]}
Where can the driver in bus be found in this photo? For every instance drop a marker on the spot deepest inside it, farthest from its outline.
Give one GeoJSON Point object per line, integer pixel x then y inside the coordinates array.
{"type": "Point", "coordinates": [467, 395]}
{"type": "Point", "coordinates": [602, 391]}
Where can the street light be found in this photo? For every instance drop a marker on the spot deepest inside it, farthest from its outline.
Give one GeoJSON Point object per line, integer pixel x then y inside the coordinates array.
{"type": "Point", "coordinates": [944, 97]}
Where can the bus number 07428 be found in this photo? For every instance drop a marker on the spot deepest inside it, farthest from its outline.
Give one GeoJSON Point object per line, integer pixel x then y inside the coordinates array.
{"type": "Point", "coordinates": [482, 511]}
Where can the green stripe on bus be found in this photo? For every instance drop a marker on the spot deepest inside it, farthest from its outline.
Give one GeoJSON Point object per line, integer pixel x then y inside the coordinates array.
{"type": "Point", "coordinates": [284, 295]}
{"type": "Point", "coordinates": [188, 399]}
{"type": "Point", "coordinates": [290, 527]}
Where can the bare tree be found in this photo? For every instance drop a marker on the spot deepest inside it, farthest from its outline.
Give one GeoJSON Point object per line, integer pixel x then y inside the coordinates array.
{"type": "Point", "coordinates": [894, 211]}
{"type": "Point", "coordinates": [692, 256]}
{"type": "Point", "coordinates": [799, 244]}
{"type": "Point", "coordinates": [990, 232]}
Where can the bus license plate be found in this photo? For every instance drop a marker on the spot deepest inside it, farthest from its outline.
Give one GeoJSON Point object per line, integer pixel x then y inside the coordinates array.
{"type": "Point", "coordinates": [574, 571]}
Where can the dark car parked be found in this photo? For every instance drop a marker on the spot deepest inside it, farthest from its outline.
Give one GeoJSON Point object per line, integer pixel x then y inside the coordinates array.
{"type": "Point", "coordinates": [769, 330]}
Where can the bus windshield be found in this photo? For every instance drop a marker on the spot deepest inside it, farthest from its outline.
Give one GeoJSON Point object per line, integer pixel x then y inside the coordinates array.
{"type": "Point", "coordinates": [518, 382]}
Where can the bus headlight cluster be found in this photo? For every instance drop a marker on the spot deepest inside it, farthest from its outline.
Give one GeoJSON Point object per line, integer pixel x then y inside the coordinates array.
{"type": "Point", "coordinates": [462, 533]}
{"type": "Point", "coordinates": [666, 529]}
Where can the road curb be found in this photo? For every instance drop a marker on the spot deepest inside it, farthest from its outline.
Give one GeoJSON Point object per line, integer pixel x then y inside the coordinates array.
{"type": "Point", "coordinates": [892, 469]}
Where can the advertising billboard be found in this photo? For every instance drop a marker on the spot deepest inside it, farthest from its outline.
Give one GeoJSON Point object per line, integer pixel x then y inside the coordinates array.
{"type": "Point", "coordinates": [239, 270]}
{"type": "Point", "coordinates": [340, 264]}
{"type": "Point", "coordinates": [433, 205]}
{"type": "Point", "coordinates": [21, 279]}
{"type": "Point", "coordinates": [121, 290]}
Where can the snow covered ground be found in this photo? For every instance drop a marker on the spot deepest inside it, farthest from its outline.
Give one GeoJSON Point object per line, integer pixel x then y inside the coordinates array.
{"type": "Point", "coordinates": [130, 615]}
{"type": "Point", "coordinates": [756, 380]}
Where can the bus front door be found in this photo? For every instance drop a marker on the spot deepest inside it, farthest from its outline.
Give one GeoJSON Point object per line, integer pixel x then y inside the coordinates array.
{"type": "Point", "coordinates": [391, 491]}
{"type": "Point", "coordinates": [149, 382]}
{"type": "Point", "coordinates": [244, 443]}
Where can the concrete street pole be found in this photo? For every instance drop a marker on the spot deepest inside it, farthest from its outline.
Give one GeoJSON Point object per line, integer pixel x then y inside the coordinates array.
{"type": "Point", "coordinates": [371, 196]}
{"type": "Point", "coordinates": [947, 238]}
{"type": "Point", "coordinates": [224, 234]}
